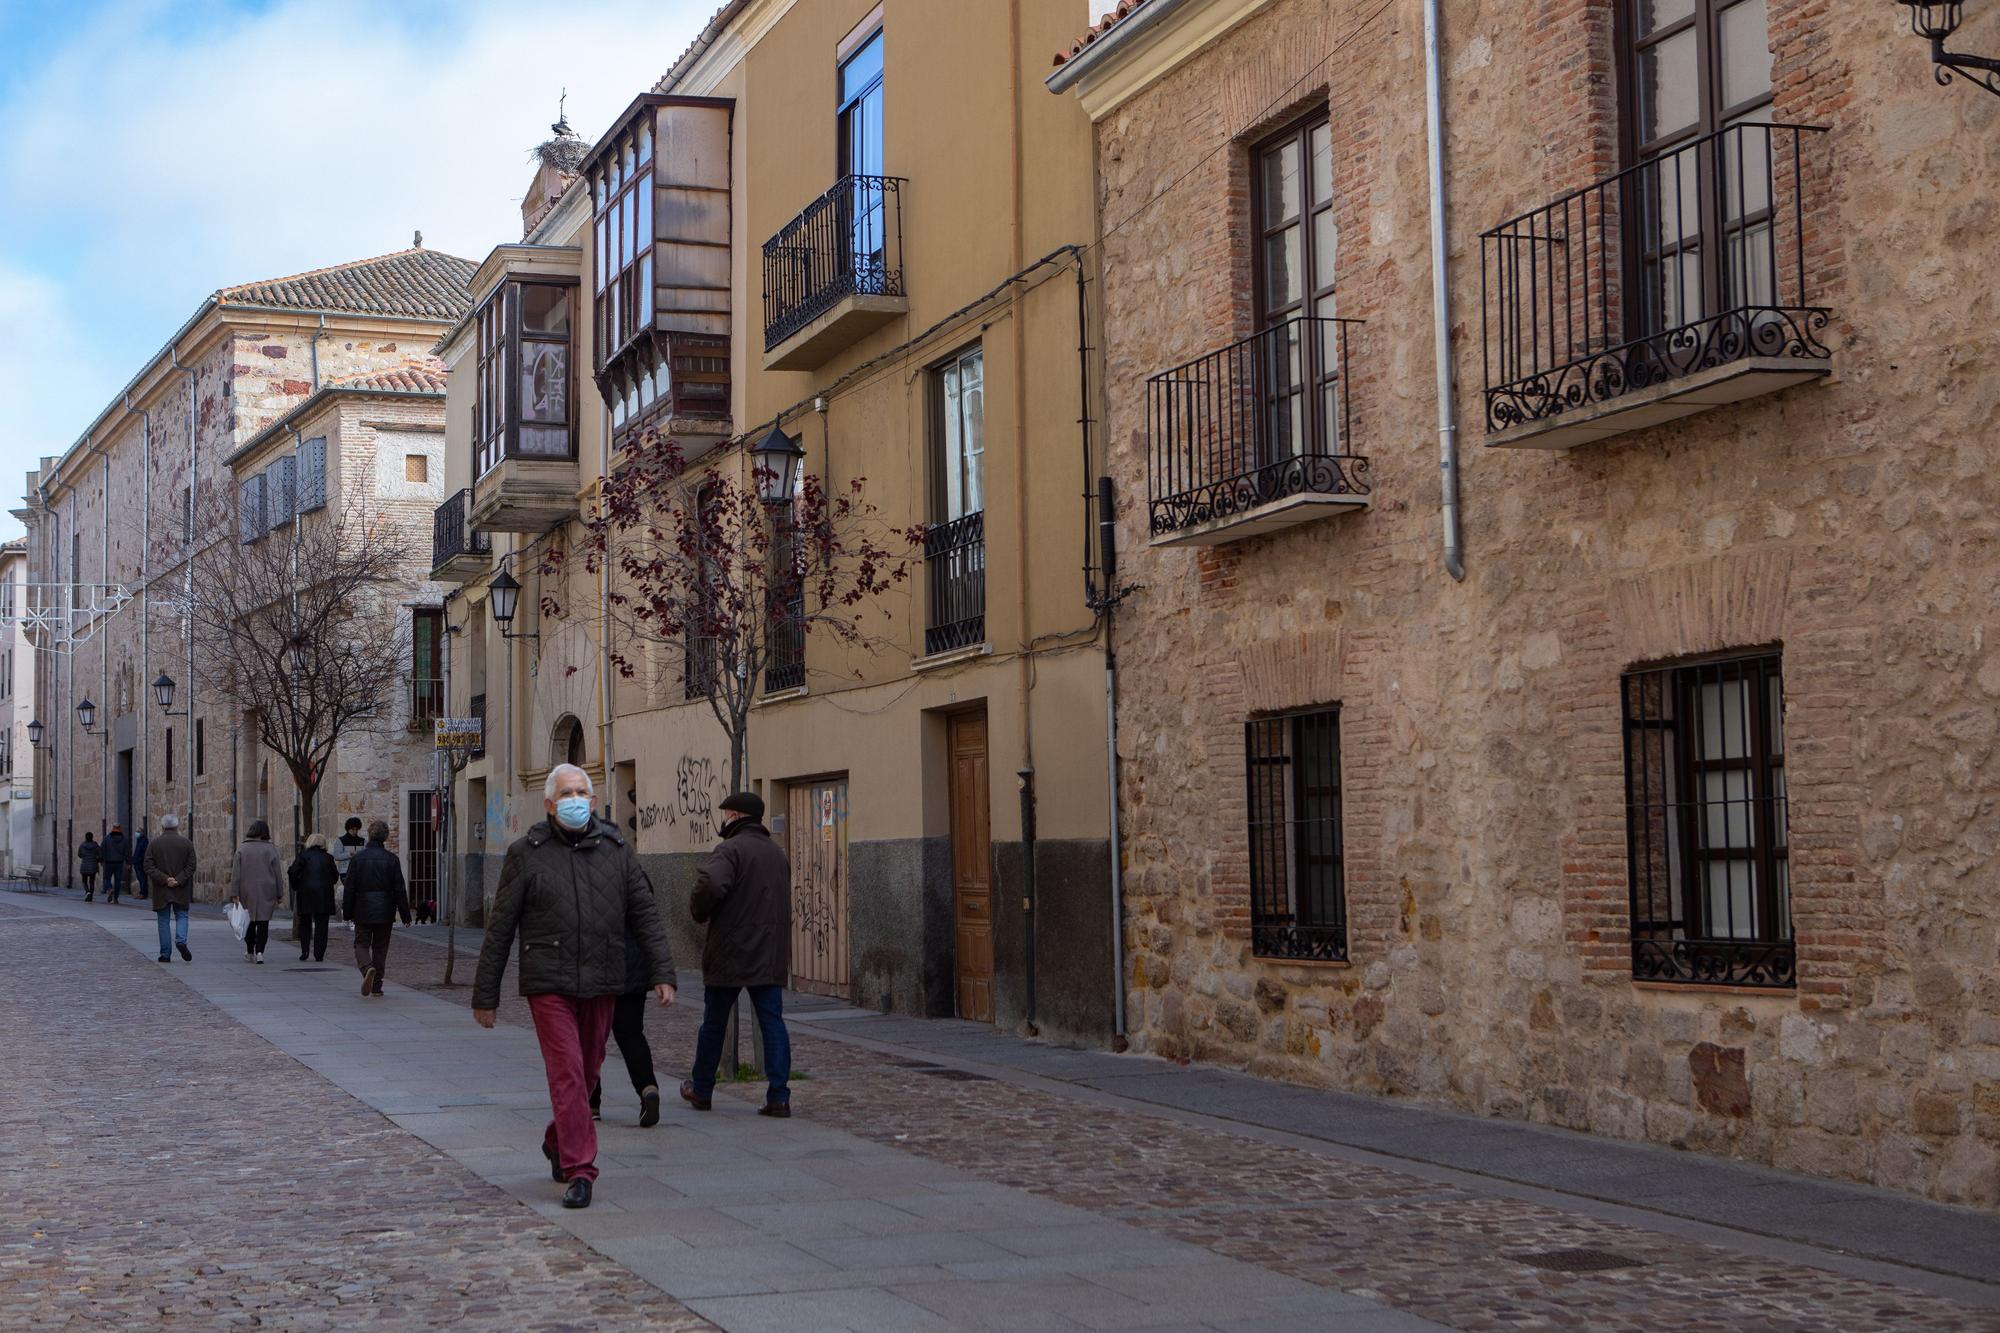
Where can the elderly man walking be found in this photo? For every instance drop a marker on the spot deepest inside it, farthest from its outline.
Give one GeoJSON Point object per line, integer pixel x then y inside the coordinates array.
{"type": "Point", "coordinates": [744, 896]}
{"type": "Point", "coordinates": [572, 890]}
{"type": "Point", "coordinates": [170, 869]}
{"type": "Point", "coordinates": [375, 896]}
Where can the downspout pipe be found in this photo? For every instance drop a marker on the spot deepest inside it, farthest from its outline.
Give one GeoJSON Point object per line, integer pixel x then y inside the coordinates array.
{"type": "Point", "coordinates": [187, 620]}
{"type": "Point", "coordinates": [1454, 548]}
{"type": "Point", "coordinates": [144, 684]}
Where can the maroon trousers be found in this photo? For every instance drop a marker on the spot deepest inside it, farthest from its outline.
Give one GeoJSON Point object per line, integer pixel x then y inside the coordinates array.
{"type": "Point", "coordinates": [571, 1031]}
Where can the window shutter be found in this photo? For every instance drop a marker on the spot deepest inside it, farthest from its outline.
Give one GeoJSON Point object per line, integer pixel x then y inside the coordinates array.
{"type": "Point", "coordinates": [312, 475]}
{"type": "Point", "coordinates": [250, 508]}
{"type": "Point", "coordinates": [282, 479]}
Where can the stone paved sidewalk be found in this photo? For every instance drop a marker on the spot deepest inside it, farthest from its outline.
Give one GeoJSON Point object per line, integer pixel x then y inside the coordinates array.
{"type": "Point", "coordinates": [165, 1168]}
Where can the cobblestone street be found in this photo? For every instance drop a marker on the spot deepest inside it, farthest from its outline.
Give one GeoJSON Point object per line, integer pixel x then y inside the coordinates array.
{"type": "Point", "coordinates": [183, 1166]}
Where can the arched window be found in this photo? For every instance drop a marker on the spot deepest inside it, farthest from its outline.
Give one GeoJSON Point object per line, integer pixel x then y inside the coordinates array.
{"type": "Point", "coordinates": [566, 742]}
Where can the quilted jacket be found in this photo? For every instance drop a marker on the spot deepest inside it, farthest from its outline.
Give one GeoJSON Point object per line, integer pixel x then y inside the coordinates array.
{"type": "Point", "coordinates": [744, 896]}
{"type": "Point", "coordinates": [572, 902]}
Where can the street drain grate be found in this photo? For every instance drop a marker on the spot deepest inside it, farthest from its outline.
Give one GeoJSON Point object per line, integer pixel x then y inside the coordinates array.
{"type": "Point", "coordinates": [1577, 1261]}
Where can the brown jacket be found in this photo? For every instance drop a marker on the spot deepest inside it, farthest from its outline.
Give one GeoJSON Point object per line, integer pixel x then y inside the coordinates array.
{"type": "Point", "coordinates": [170, 856]}
{"type": "Point", "coordinates": [258, 878]}
{"type": "Point", "coordinates": [744, 895]}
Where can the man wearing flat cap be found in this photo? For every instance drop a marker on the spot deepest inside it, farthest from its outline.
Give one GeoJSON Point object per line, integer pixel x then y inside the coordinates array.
{"type": "Point", "coordinates": [744, 896]}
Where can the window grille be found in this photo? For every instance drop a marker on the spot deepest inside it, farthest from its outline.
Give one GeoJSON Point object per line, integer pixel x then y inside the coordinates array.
{"type": "Point", "coordinates": [1706, 810]}
{"type": "Point", "coordinates": [1298, 889]}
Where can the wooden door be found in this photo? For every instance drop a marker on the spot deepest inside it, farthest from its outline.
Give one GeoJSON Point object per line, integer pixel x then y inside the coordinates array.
{"type": "Point", "coordinates": [816, 817]}
{"type": "Point", "coordinates": [972, 866]}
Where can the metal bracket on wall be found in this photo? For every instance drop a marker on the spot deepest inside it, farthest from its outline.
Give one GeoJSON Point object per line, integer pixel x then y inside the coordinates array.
{"type": "Point", "coordinates": [64, 615]}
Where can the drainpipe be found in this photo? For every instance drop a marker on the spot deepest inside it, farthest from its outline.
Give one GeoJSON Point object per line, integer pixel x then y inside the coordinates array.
{"type": "Point", "coordinates": [1027, 780]}
{"type": "Point", "coordinates": [144, 684]}
{"type": "Point", "coordinates": [605, 735]}
{"type": "Point", "coordinates": [1107, 536]}
{"type": "Point", "coordinates": [104, 650]}
{"type": "Point", "coordinates": [187, 620]}
{"type": "Point", "coordinates": [1022, 609]}
{"type": "Point", "coordinates": [312, 347]}
{"type": "Point", "coordinates": [1454, 550]}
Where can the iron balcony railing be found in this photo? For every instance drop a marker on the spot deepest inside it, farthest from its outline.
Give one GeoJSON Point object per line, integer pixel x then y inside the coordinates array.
{"type": "Point", "coordinates": [785, 668]}
{"type": "Point", "coordinates": [426, 702]}
{"type": "Point", "coordinates": [476, 707]}
{"type": "Point", "coordinates": [450, 536]}
{"type": "Point", "coordinates": [955, 566]}
{"type": "Point", "coordinates": [1260, 420]}
{"type": "Point", "coordinates": [1695, 258]}
{"type": "Point", "coordinates": [847, 242]}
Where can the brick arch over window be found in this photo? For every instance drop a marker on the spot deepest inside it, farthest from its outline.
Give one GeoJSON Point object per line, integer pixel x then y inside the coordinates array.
{"type": "Point", "coordinates": [1802, 602]}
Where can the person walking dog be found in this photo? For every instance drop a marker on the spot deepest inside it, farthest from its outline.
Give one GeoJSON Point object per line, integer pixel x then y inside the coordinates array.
{"type": "Point", "coordinates": [169, 867]}
{"type": "Point", "coordinates": [116, 850]}
{"type": "Point", "coordinates": [375, 897]}
{"type": "Point", "coordinates": [571, 889]}
{"type": "Point", "coordinates": [88, 854]}
{"type": "Point", "coordinates": [743, 894]}
{"type": "Point", "coordinates": [257, 879]}
{"type": "Point", "coordinates": [314, 877]}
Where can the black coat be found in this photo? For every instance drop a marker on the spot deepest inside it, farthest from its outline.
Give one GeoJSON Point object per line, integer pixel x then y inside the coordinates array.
{"type": "Point", "coordinates": [579, 905]}
{"type": "Point", "coordinates": [744, 895]}
{"type": "Point", "coordinates": [117, 851]}
{"type": "Point", "coordinates": [139, 849]}
{"type": "Point", "coordinates": [376, 894]}
{"type": "Point", "coordinates": [88, 854]}
{"type": "Point", "coordinates": [314, 877]}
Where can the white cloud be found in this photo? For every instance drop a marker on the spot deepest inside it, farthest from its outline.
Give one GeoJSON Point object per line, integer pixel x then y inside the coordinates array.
{"type": "Point", "coordinates": [148, 166]}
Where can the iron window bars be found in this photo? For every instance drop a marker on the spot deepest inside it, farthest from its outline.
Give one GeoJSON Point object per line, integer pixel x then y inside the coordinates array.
{"type": "Point", "coordinates": [1689, 260]}
{"type": "Point", "coordinates": [1298, 891]}
{"type": "Point", "coordinates": [1707, 846]}
{"type": "Point", "coordinates": [1258, 421]}
{"type": "Point", "coordinates": [426, 701]}
{"type": "Point", "coordinates": [785, 660]}
{"type": "Point", "coordinates": [476, 707]}
{"type": "Point", "coordinates": [955, 565]}
{"type": "Point", "coordinates": [848, 242]}
{"type": "Point", "coordinates": [450, 535]}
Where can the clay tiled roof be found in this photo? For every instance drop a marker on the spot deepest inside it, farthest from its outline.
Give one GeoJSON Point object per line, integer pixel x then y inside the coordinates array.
{"type": "Point", "coordinates": [403, 379]}
{"type": "Point", "coordinates": [427, 284]}
{"type": "Point", "coordinates": [1119, 13]}
{"type": "Point", "coordinates": [716, 22]}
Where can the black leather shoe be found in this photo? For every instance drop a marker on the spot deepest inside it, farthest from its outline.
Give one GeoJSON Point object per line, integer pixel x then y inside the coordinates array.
{"type": "Point", "coordinates": [776, 1110]}
{"type": "Point", "coordinates": [578, 1194]}
{"type": "Point", "coordinates": [649, 1108]}
{"type": "Point", "coordinates": [687, 1095]}
{"type": "Point", "coordinates": [186, 957]}
{"type": "Point", "coordinates": [555, 1167]}
{"type": "Point", "coordinates": [166, 958]}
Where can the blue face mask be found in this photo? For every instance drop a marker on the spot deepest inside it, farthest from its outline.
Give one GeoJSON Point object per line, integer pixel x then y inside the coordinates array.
{"type": "Point", "coordinates": [573, 812]}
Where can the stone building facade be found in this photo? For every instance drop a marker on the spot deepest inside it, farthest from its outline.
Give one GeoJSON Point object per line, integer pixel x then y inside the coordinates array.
{"type": "Point", "coordinates": [939, 341]}
{"type": "Point", "coordinates": [17, 695]}
{"type": "Point", "coordinates": [112, 522]}
{"type": "Point", "coordinates": [1672, 819]}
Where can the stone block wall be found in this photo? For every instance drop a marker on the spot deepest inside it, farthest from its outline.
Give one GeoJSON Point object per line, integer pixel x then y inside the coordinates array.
{"type": "Point", "coordinates": [1849, 523]}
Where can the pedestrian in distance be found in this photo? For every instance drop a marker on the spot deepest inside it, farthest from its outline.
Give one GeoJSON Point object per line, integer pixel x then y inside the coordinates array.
{"type": "Point", "coordinates": [140, 846]}
{"type": "Point", "coordinates": [257, 880]}
{"type": "Point", "coordinates": [572, 890]}
{"type": "Point", "coordinates": [116, 848]}
{"type": "Point", "coordinates": [628, 1029]}
{"type": "Point", "coordinates": [169, 866]}
{"type": "Point", "coordinates": [87, 857]}
{"type": "Point", "coordinates": [375, 896]}
{"type": "Point", "coordinates": [314, 877]}
{"type": "Point", "coordinates": [743, 894]}
{"type": "Point", "coordinates": [344, 848]}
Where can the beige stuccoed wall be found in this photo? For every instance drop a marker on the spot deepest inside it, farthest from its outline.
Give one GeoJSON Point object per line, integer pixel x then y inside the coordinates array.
{"type": "Point", "coordinates": [1848, 521]}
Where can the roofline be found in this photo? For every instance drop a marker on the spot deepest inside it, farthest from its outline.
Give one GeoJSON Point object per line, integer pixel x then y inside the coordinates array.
{"type": "Point", "coordinates": [319, 398]}
{"type": "Point", "coordinates": [211, 304]}
{"type": "Point", "coordinates": [1068, 74]}
{"type": "Point", "coordinates": [699, 47]}
{"type": "Point", "coordinates": [609, 138]}
{"type": "Point", "coordinates": [532, 249]}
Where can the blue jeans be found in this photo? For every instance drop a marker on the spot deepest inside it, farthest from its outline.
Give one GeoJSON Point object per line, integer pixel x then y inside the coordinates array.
{"type": "Point", "coordinates": [180, 927]}
{"type": "Point", "coordinates": [717, 1004]}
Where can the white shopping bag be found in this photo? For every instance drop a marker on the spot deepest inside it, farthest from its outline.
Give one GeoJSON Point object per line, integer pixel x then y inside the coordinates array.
{"type": "Point", "coordinates": [239, 919]}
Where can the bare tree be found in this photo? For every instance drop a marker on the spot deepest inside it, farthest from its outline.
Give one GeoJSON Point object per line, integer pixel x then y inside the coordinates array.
{"type": "Point", "coordinates": [708, 579]}
{"type": "Point", "coordinates": [294, 628]}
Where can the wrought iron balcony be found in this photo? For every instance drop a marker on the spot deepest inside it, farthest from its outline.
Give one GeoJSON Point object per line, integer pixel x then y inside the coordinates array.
{"type": "Point", "coordinates": [476, 707]}
{"type": "Point", "coordinates": [955, 569]}
{"type": "Point", "coordinates": [1254, 437]}
{"type": "Point", "coordinates": [458, 552]}
{"type": "Point", "coordinates": [834, 273]}
{"type": "Point", "coordinates": [426, 702]}
{"type": "Point", "coordinates": [1677, 285]}
{"type": "Point", "coordinates": [785, 667]}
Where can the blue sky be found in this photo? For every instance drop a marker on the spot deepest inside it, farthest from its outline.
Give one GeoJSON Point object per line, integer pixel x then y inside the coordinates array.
{"type": "Point", "coordinates": [159, 149]}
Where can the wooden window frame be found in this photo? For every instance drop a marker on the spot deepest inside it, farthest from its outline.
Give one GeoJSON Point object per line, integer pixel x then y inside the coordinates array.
{"type": "Point", "coordinates": [497, 415]}
{"type": "Point", "coordinates": [1317, 426]}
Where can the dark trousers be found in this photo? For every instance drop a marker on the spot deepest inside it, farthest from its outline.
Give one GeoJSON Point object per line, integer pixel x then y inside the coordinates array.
{"type": "Point", "coordinates": [89, 882]}
{"type": "Point", "coordinates": [139, 879]}
{"type": "Point", "coordinates": [371, 949]}
{"type": "Point", "coordinates": [717, 1004]}
{"type": "Point", "coordinates": [255, 938]}
{"type": "Point", "coordinates": [628, 1029]}
{"type": "Point", "coordinates": [312, 935]}
{"type": "Point", "coordinates": [114, 878]}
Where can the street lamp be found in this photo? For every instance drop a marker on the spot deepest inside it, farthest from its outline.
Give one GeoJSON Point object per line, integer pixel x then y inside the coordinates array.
{"type": "Point", "coordinates": [503, 591]}
{"type": "Point", "coordinates": [1935, 21]}
{"type": "Point", "coordinates": [35, 730]}
{"type": "Point", "coordinates": [299, 658]}
{"type": "Point", "coordinates": [777, 458]}
{"type": "Point", "coordinates": [163, 690]}
{"type": "Point", "coordinates": [86, 713]}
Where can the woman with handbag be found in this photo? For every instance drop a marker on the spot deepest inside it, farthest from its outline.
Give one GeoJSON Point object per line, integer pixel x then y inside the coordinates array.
{"type": "Point", "coordinates": [258, 880]}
